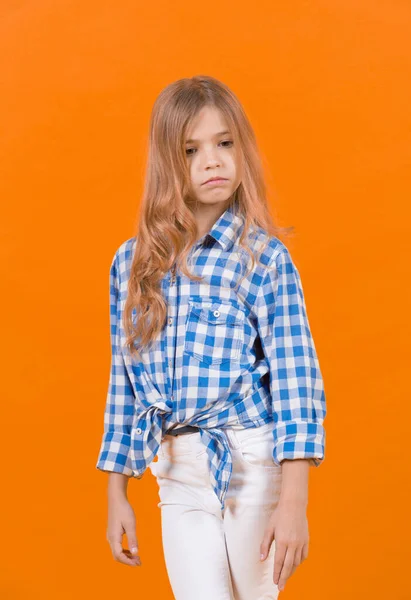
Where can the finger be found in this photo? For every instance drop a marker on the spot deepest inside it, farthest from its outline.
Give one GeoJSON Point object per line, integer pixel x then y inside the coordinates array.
{"type": "Point", "coordinates": [297, 561]}
{"type": "Point", "coordinates": [135, 560]}
{"type": "Point", "coordinates": [293, 569]}
{"type": "Point", "coordinates": [119, 554]}
{"type": "Point", "coordinates": [124, 556]}
{"type": "Point", "coordinates": [298, 556]}
{"type": "Point", "coordinates": [295, 565]}
{"type": "Point", "coordinates": [287, 567]}
{"type": "Point", "coordinates": [132, 540]}
{"type": "Point", "coordinates": [132, 552]}
{"type": "Point", "coordinates": [280, 552]}
{"type": "Point", "coordinates": [304, 553]}
{"type": "Point", "coordinates": [266, 544]}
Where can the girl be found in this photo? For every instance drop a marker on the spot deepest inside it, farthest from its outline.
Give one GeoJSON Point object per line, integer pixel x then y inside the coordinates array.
{"type": "Point", "coordinates": [214, 370]}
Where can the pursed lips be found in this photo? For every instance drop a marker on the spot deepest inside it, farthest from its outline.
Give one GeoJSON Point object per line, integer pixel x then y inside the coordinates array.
{"type": "Point", "coordinates": [215, 179]}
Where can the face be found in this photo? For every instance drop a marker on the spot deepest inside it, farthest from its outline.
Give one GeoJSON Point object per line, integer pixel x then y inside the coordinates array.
{"type": "Point", "coordinates": [210, 153]}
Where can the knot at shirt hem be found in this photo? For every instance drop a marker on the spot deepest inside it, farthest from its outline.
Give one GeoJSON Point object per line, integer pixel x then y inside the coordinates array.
{"type": "Point", "coordinates": [146, 436]}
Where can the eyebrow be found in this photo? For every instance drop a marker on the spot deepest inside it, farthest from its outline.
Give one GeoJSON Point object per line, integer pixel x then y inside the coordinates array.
{"type": "Point", "coordinates": [216, 135]}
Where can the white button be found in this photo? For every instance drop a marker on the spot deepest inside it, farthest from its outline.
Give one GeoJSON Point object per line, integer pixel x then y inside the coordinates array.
{"type": "Point", "coordinates": [170, 320]}
{"type": "Point", "coordinates": [138, 430]}
{"type": "Point", "coordinates": [216, 313]}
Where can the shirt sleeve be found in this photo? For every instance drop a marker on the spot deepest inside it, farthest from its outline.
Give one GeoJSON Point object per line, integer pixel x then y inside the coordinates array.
{"type": "Point", "coordinates": [120, 403]}
{"type": "Point", "coordinates": [296, 382]}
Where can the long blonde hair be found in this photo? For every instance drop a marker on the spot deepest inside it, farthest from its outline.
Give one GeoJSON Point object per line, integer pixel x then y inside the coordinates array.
{"type": "Point", "coordinates": [167, 227]}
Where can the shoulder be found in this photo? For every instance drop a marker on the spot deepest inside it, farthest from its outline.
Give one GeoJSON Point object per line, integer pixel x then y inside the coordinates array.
{"type": "Point", "coordinates": [121, 260]}
{"type": "Point", "coordinates": [274, 251]}
{"type": "Point", "coordinates": [125, 251]}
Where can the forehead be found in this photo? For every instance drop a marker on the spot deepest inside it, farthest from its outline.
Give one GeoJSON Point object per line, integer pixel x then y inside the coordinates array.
{"type": "Point", "coordinates": [209, 122]}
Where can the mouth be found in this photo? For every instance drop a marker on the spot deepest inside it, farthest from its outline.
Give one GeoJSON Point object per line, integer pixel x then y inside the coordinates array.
{"type": "Point", "coordinates": [215, 180]}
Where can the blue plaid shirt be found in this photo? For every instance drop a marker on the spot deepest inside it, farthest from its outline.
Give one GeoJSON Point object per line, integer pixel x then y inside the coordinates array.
{"type": "Point", "coordinates": [225, 358]}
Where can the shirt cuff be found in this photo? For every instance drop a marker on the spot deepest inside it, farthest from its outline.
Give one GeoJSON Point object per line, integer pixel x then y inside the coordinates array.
{"type": "Point", "coordinates": [114, 453]}
{"type": "Point", "coordinates": [299, 439]}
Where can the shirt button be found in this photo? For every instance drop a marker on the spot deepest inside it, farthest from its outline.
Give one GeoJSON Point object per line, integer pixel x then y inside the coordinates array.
{"type": "Point", "coordinates": [216, 313]}
{"type": "Point", "coordinates": [138, 430]}
{"type": "Point", "coordinates": [170, 320]}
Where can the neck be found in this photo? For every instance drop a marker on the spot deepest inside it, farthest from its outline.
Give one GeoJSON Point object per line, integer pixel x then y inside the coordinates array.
{"type": "Point", "coordinates": [207, 215]}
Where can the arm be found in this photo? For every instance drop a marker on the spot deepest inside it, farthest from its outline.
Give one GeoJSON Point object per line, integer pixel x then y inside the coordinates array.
{"type": "Point", "coordinates": [296, 382]}
{"type": "Point", "coordinates": [114, 455]}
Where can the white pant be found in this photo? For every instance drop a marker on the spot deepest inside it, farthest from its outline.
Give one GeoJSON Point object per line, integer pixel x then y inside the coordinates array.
{"type": "Point", "coordinates": [212, 554]}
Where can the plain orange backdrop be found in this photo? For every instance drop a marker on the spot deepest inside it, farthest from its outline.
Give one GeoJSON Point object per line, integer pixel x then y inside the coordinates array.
{"type": "Point", "coordinates": [326, 86]}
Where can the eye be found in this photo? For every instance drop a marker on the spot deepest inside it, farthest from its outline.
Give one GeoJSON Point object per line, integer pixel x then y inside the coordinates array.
{"type": "Point", "coordinates": [188, 153]}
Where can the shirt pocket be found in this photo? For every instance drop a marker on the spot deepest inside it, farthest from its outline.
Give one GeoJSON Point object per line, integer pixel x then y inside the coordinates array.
{"type": "Point", "coordinates": [214, 332]}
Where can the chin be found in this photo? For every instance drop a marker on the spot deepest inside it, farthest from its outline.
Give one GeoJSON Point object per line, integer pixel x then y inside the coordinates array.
{"type": "Point", "coordinates": [219, 196]}
{"type": "Point", "coordinates": [214, 201]}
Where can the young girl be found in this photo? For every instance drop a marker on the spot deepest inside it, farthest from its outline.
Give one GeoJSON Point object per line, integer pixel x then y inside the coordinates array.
{"type": "Point", "coordinates": [214, 370]}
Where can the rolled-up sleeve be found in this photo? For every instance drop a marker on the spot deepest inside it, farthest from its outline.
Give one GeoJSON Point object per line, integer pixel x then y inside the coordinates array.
{"type": "Point", "coordinates": [114, 452]}
{"type": "Point", "coordinates": [296, 382]}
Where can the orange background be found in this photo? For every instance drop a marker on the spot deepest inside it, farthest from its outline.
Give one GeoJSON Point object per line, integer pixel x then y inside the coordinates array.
{"type": "Point", "coordinates": [326, 86]}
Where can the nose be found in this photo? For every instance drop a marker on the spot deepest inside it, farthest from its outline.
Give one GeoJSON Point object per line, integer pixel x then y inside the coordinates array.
{"type": "Point", "coordinates": [212, 161]}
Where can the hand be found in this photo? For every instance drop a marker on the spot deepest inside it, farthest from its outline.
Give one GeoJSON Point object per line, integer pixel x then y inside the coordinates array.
{"type": "Point", "coordinates": [288, 525]}
{"type": "Point", "coordinates": [121, 520]}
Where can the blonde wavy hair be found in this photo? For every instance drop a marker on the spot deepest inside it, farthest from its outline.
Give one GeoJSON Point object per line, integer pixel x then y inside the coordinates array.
{"type": "Point", "coordinates": [167, 227]}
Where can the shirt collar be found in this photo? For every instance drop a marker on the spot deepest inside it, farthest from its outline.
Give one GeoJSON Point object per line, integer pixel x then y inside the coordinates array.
{"type": "Point", "coordinates": [225, 230]}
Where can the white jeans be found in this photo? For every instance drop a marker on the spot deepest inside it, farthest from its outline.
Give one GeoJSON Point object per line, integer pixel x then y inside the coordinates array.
{"type": "Point", "coordinates": [212, 554]}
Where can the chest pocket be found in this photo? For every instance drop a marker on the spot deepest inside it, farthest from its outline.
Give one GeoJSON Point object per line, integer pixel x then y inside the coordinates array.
{"type": "Point", "coordinates": [214, 332]}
